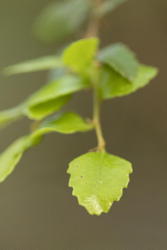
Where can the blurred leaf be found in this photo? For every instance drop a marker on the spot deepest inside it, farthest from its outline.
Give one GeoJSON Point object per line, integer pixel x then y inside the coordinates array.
{"type": "Point", "coordinates": [12, 155]}
{"type": "Point", "coordinates": [108, 6]}
{"type": "Point", "coordinates": [66, 123]}
{"type": "Point", "coordinates": [121, 59]}
{"type": "Point", "coordinates": [79, 55]}
{"type": "Point", "coordinates": [61, 19]}
{"type": "Point", "coordinates": [53, 96]}
{"type": "Point", "coordinates": [45, 108]}
{"type": "Point", "coordinates": [113, 84]}
{"type": "Point", "coordinates": [98, 180]}
{"type": "Point", "coordinates": [49, 99]}
{"type": "Point", "coordinates": [55, 74]}
{"type": "Point", "coordinates": [10, 115]}
{"type": "Point", "coordinates": [43, 63]}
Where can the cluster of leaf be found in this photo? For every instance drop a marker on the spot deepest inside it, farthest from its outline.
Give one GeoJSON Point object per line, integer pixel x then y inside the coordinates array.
{"type": "Point", "coordinates": [65, 18]}
{"type": "Point", "coordinates": [97, 178]}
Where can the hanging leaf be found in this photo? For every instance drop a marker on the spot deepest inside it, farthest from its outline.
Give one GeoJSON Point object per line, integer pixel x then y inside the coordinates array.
{"type": "Point", "coordinates": [43, 63]}
{"type": "Point", "coordinates": [79, 55]}
{"type": "Point", "coordinates": [98, 180]}
{"type": "Point", "coordinates": [53, 96]}
{"type": "Point", "coordinates": [108, 6]}
{"type": "Point", "coordinates": [113, 84]}
{"type": "Point", "coordinates": [13, 154]}
{"type": "Point", "coordinates": [66, 123]}
{"type": "Point", "coordinates": [121, 59]}
{"type": "Point", "coordinates": [49, 99]}
{"type": "Point", "coordinates": [61, 19]}
{"type": "Point", "coordinates": [43, 109]}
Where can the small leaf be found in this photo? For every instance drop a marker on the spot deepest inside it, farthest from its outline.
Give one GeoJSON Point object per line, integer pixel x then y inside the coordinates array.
{"type": "Point", "coordinates": [53, 96]}
{"type": "Point", "coordinates": [61, 19]}
{"type": "Point", "coordinates": [44, 63]}
{"type": "Point", "coordinates": [66, 123]}
{"type": "Point", "coordinates": [49, 99]}
{"type": "Point", "coordinates": [108, 6]}
{"type": "Point", "coordinates": [10, 115]}
{"type": "Point", "coordinates": [98, 180]}
{"type": "Point", "coordinates": [45, 108]}
{"type": "Point", "coordinates": [113, 84]}
{"type": "Point", "coordinates": [79, 55]}
{"type": "Point", "coordinates": [10, 158]}
{"type": "Point", "coordinates": [121, 59]}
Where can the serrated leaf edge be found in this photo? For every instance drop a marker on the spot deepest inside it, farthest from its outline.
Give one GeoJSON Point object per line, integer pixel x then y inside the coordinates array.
{"type": "Point", "coordinates": [74, 193]}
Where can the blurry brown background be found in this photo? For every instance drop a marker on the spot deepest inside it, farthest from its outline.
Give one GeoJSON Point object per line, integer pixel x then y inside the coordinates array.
{"type": "Point", "coordinates": [37, 211]}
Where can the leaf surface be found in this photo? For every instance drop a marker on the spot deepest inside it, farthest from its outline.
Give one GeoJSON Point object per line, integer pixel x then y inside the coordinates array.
{"type": "Point", "coordinates": [66, 123]}
{"type": "Point", "coordinates": [53, 96]}
{"type": "Point", "coordinates": [79, 55]}
{"type": "Point", "coordinates": [13, 154]}
{"type": "Point", "coordinates": [113, 84]}
{"type": "Point", "coordinates": [98, 180]}
{"type": "Point", "coordinates": [43, 63]}
{"type": "Point", "coordinates": [121, 59]}
{"type": "Point", "coordinates": [61, 19]}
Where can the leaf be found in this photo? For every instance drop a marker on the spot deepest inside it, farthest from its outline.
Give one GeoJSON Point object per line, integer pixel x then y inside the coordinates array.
{"type": "Point", "coordinates": [121, 59]}
{"type": "Point", "coordinates": [49, 99]}
{"type": "Point", "coordinates": [10, 115]}
{"type": "Point", "coordinates": [12, 155]}
{"type": "Point", "coordinates": [61, 19]}
{"type": "Point", "coordinates": [98, 180]}
{"type": "Point", "coordinates": [53, 96]}
{"type": "Point", "coordinates": [79, 55]}
{"type": "Point", "coordinates": [43, 63]}
{"type": "Point", "coordinates": [66, 123]}
{"type": "Point", "coordinates": [113, 84]}
{"type": "Point", "coordinates": [43, 109]}
{"type": "Point", "coordinates": [108, 6]}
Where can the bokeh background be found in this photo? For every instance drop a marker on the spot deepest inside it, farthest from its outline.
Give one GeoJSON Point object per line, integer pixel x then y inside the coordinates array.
{"type": "Point", "coordinates": [37, 211]}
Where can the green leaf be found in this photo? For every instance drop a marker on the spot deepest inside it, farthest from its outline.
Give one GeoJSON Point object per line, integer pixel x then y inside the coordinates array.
{"type": "Point", "coordinates": [79, 55]}
{"type": "Point", "coordinates": [61, 19]}
{"type": "Point", "coordinates": [121, 59]}
{"type": "Point", "coordinates": [53, 96]}
{"type": "Point", "coordinates": [43, 63]}
{"type": "Point", "coordinates": [113, 84]}
{"type": "Point", "coordinates": [66, 123]}
{"type": "Point", "coordinates": [45, 108]}
{"type": "Point", "coordinates": [108, 6]}
{"type": "Point", "coordinates": [12, 155]}
{"type": "Point", "coordinates": [98, 180]}
{"type": "Point", "coordinates": [10, 115]}
{"type": "Point", "coordinates": [49, 99]}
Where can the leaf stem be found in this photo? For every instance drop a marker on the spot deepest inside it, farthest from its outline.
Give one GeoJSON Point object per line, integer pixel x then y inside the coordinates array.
{"type": "Point", "coordinates": [96, 121]}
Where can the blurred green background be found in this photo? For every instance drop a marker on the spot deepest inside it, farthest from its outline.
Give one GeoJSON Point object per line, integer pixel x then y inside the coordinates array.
{"type": "Point", "coordinates": [37, 211]}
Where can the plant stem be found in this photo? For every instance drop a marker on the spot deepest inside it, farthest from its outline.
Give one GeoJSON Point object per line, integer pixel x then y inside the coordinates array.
{"type": "Point", "coordinates": [93, 30]}
{"type": "Point", "coordinates": [94, 23]}
{"type": "Point", "coordinates": [96, 120]}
